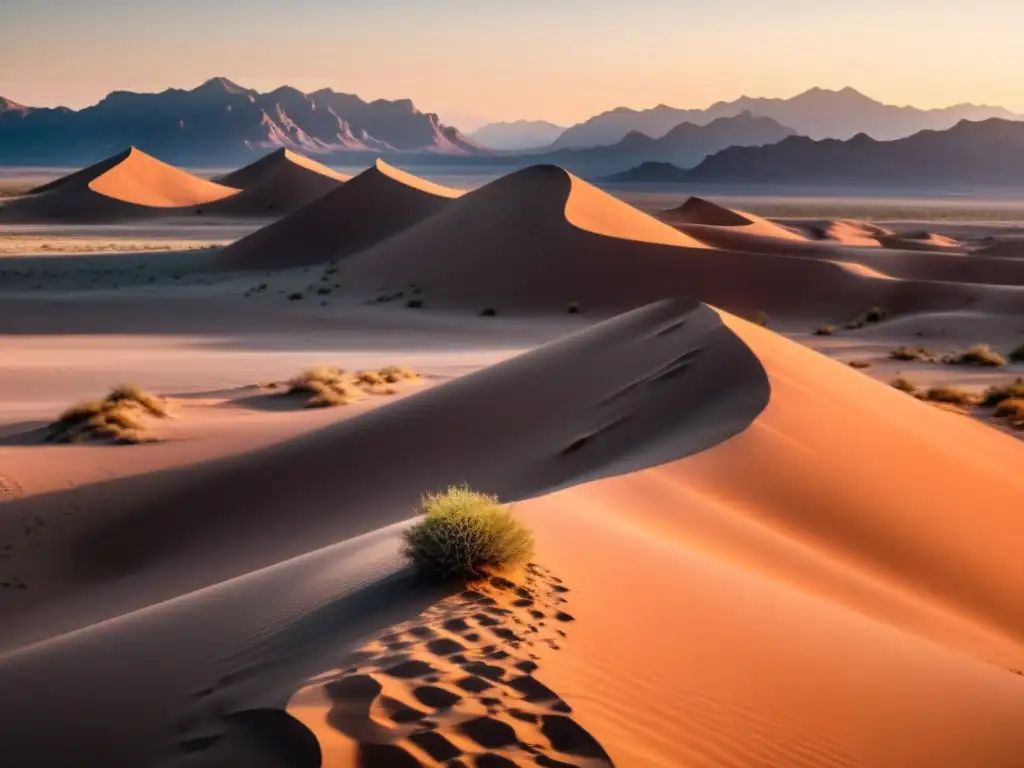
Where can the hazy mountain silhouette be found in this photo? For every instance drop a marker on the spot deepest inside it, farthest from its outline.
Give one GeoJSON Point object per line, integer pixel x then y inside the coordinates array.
{"type": "Point", "coordinates": [989, 152]}
{"type": "Point", "coordinates": [685, 145]}
{"type": "Point", "coordinates": [817, 113]}
{"type": "Point", "coordinates": [518, 135]}
{"type": "Point", "coordinates": [222, 122]}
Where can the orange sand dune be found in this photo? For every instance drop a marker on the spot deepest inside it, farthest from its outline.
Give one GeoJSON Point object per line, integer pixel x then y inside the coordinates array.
{"type": "Point", "coordinates": [849, 232]}
{"type": "Point", "coordinates": [372, 206]}
{"type": "Point", "coordinates": [716, 225]}
{"type": "Point", "coordinates": [278, 183]}
{"type": "Point", "coordinates": [754, 580]}
{"type": "Point", "coordinates": [920, 241]}
{"type": "Point", "coordinates": [529, 242]}
{"type": "Point", "coordinates": [129, 185]}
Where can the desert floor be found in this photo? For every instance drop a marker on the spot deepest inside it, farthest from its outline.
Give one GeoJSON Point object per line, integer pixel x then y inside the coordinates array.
{"type": "Point", "coordinates": [749, 553]}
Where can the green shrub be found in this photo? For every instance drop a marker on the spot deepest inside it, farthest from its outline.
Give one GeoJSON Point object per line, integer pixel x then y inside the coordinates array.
{"type": "Point", "coordinates": [465, 535]}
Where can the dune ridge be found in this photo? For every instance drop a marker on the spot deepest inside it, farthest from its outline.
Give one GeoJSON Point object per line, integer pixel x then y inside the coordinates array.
{"type": "Point", "coordinates": [278, 183]}
{"type": "Point", "coordinates": [372, 206]}
{"type": "Point", "coordinates": [128, 185]}
{"type": "Point", "coordinates": [708, 222]}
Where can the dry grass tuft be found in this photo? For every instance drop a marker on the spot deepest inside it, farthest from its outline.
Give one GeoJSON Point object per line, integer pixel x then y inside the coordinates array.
{"type": "Point", "coordinates": [952, 395]}
{"type": "Point", "coordinates": [873, 315]}
{"type": "Point", "coordinates": [1017, 355]}
{"type": "Point", "coordinates": [825, 330]}
{"type": "Point", "coordinates": [115, 418]}
{"type": "Point", "coordinates": [328, 386]}
{"type": "Point", "coordinates": [997, 393]}
{"type": "Point", "coordinates": [859, 364]}
{"type": "Point", "coordinates": [979, 354]}
{"type": "Point", "coordinates": [393, 374]}
{"type": "Point", "coordinates": [1013, 411]}
{"type": "Point", "coordinates": [904, 385]}
{"type": "Point", "coordinates": [465, 535]}
{"type": "Point", "coordinates": [914, 354]}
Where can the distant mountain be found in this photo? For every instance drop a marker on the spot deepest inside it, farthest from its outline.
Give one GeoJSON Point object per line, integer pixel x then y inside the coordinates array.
{"type": "Point", "coordinates": [990, 152]}
{"type": "Point", "coordinates": [684, 145]}
{"type": "Point", "coordinates": [223, 123]}
{"type": "Point", "coordinates": [817, 113]}
{"type": "Point", "coordinates": [649, 173]}
{"type": "Point", "coordinates": [522, 134]}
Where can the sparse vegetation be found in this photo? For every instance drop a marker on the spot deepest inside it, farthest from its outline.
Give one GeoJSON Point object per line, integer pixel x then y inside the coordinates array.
{"type": "Point", "coordinates": [327, 386]}
{"type": "Point", "coordinates": [904, 384]}
{"type": "Point", "coordinates": [297, 296]}
{"type": "Point", "coordinates": [488, 312]}
{"type": "Point", "coordinates": [914, 354]}
{"type": "Point", "coordinates": [825, 330]}
{"type": "Point", "coordinates": [465, 535]}
{"type": "Point", "coordinates": [115, 418]}
{"type": "Point", "coordinates": [761, 318]}
{"type": "Point", "coordinates": [414, 303]}
{"type": "Point", "coordinates": [393, 374]}
{"type": "Point", "coordinates": [979, 354]}
{"type": "Point", "coordinates": [573, 308]}
{"type": "Point", "coordinates": [1013, 411]}
{"type": "Point", "coordinates": [370, 378]}
{"type": "Point", "coordinates": [1017, 355]}
{"type": "Point", "coordinates": [873, 315]}
{"type": "Point", "coordinates": [952, 395]}
{"type": "Point", "coordinates": [859, 364]}
{"type": "Point", "coordinates": [997, 393]}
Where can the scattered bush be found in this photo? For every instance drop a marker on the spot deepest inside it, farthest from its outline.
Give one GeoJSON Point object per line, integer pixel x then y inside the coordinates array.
{"type": "Point", "coordinates": [859, 364]}
{"type": "Point", "coordinates": [761, 318]}
{"type": "Point", "coordinates": [1013, 411]}
{"type": "Point", "coordinates": [370, 378]}
{"type": "Point", "coordinates": [465, 535]}
{"type": "Point", "coordinates": [295, 296]}
{"type": "Point", "coordinates": [904, 385]}
{"type": "Point", "coordinates": [573, 308]}
{"type": "Point", "coordinates": [488, 312]}
{"type": "Point", "coordinates": [414, 303]}
{"type": "Point", "coordinates": [952, 395]}
{"type": "Point", "coordinates": [393, 374]}
{"type": "Point", "coordinates": [115, 417]}
{"type": "Point", "coordinates": [1017, 355]}
{"type": "Point", "coordinates": [825, 330]}
{"type": "Point", "coordinates": [873, 315]}
{"type": "Point", "coordinates": [915, 354]}
{"type": "Point", "coordinates": [979, 354]}
{"type": "Point", "coordinates": [325, 385]}
{"type": "Point", "coordinates": [997, 393]}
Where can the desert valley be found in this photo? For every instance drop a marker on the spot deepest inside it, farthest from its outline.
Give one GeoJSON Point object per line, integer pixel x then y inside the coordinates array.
{"type": "Point", "coordinates": [769, 462]}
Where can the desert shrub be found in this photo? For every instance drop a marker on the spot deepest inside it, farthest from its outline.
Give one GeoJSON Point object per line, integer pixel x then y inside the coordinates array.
{"type": "Point", "coordinates": [414, 303]}
{"type": "Point", "coordinates": [859, 364]}
{"type": "Point", "coordinates": [916, 354]}
{"type": "Point", "coordinates": [947, 394]}
{"type": "Point", "coordinates": [1017, 355]}
{"type": "Point", "coordinates": [370, 378]}
{"type": "Point", "coordinates": [393, 374]}
{"type": "Point", "coordinates": [116, 417]}
{"type": "Point", "coordinates": [904, 385]}
{"type": "Point", "coordinates": [465, 535]}
{"type": "Point", "coordinates": [1013, 411]}
{"type": "Point", "coordinates": [997, 393]}
{"type": "Point", "coordinates": [297, 296]}
{"type": "Point", "coordinates": [979, 354]}
{"type": "Point", "coordinates": [324, 385]}
{"type": "Point", "coordinates": [761, 318]}
{"type": "Point", "coordinates": [323, 291]}
{"type": "Point", "coordinates": [825, 330]}
{"type": "Point", "coordinates": [488, 312]}
{"type": "Point", "coordinates": [573, 308]}
{"type": "Point", "coordinates": [873, 315]}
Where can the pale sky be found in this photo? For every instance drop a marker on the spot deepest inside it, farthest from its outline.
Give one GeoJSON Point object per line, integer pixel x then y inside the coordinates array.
{"type": "Point", "coordinates": [478, 60]}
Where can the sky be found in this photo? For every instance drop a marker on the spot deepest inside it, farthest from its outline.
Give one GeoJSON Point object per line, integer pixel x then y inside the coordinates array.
{"type": "Point", "coordinates": [474, 61]}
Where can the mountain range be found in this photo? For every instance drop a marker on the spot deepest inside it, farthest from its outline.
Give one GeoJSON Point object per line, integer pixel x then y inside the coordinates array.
{"type": "Point", "coordinates": [988, 152]}
{"type": "Point", "coordinates": [517, 135]}
{"type": "Point", "coordinates": [223, 123]}
{"type": "Point", "coordinates": [817, 113]}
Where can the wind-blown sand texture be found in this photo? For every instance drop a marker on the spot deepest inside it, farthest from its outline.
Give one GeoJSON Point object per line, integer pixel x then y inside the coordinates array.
{"type": "Point", "coordinates": [717, 226]}
{"type": "Point", "coordinates": [747, 553]}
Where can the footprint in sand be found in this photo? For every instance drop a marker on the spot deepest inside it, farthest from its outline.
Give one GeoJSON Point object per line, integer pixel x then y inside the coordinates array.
{"type": "Point", "coordinates": [458, 687]}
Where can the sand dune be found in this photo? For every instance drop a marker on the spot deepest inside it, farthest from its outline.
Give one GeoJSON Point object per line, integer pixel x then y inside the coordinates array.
{"type": "Point", "coordinates": [278, 183]}
{"type": "Point", "coordinates": [128, 185]}
{"type": "Point", "coordinates": [371, 207]}
{"type": "Point", "coordinates": [717, 225]}
{"type": "Point", "coordinates": [919, 241]}
{"type": "Point", "coordinates": [1010, 248]}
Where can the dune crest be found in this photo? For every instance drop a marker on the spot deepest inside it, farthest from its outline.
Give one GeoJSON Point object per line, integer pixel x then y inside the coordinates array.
{"type": "Point", "coordinates": [368, 208]}
{"type": "Point", "coordinates": [703, 218]}
{"type": "Point", "coordinates": [130, 184]}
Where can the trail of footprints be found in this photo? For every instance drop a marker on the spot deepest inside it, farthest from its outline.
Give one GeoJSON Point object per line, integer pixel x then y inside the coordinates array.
{"type": "Point", "coordinates": [458, 688]}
